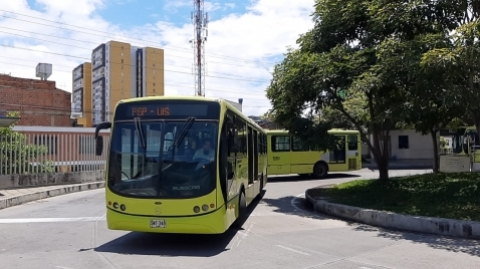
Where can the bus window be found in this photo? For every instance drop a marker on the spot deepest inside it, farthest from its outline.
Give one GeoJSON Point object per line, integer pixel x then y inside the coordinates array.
{"type": "Point", "coordinates": [352, 142]}
{"type": "Point", "coordinates": [339, 154]}
{"type": "Point", "coordinates": [299, 145]}
{"type": "Point", "coordinates": [281, 143]}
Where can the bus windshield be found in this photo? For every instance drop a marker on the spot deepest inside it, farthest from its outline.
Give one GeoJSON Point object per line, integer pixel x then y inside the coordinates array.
{"type": "Point", "coordinates": [163, 159]}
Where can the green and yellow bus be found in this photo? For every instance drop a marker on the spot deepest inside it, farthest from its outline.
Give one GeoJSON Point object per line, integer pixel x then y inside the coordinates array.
{"type": "Point", "coordinates": [179, 165]}
{"type": "Point", "coordinates": [287, 154]}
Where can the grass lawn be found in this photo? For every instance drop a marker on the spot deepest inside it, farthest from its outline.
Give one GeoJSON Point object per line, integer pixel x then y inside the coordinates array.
{"type": "Point", "coordinates": [453, 196]}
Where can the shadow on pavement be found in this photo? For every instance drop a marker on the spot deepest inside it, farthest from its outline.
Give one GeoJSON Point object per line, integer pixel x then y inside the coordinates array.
{"type": "Point", "coordinates": [401, 168]}
{"type": "Point", "coordinates": [291, 205]}
{"type": "Point", "coordinates": [297, 178]}
{"type": "Point", "coordinates": [174, 245]}
{"type": "Point", "coordinates": [471, 247]}
{"type": "Point", "coordinates": [285, 205]}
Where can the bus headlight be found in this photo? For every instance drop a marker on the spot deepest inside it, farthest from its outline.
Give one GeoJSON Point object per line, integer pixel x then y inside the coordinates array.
{"type": "Point", "coordinates": [196, 209]}
{"type": "Point", "coordinates": [205, 207]}
{"type": "Point", "coordinates": [123, 207]}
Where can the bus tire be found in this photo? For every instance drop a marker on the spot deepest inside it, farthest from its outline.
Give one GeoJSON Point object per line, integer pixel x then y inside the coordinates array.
{"type": "Point", "coordinates": [320, 170]}
{"type": "Point", "coordinates": [242, 211]}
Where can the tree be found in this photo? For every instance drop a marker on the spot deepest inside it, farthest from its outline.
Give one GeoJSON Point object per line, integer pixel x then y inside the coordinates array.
{"type": "Point", "coordinates": [16, 156]}
{"type": "Point", "coordinates": [357, 60]}
{"type": "Point", "coordinates": [460, 65]}
{"type": "Point", "coordinates": [431, 113]}
{"type": "Point", "coordinates": [335, 118]}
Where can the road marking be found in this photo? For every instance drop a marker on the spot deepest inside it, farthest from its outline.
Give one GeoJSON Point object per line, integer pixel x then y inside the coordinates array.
{"type": "Point", "coordinates": [294, 200]}
{"type": "Point", "coordinates": [245, 234]}
{"type": "Point", "coordinates": [45, 220]}
{"type": "Point", "coordinates": [293, 250]}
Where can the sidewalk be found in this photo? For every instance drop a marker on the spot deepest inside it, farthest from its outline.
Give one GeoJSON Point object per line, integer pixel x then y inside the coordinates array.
{"type": "Point", "coordinates": [13, 197]}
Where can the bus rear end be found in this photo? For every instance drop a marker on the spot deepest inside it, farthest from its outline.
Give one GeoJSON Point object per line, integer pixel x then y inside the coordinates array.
{"type": "Point", "coordinates": [162, 167]}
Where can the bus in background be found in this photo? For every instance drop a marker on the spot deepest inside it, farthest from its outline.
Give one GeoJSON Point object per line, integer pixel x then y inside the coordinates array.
{"type": "Point", "coordinates": [288, 155]}
{"type": "Point", "coordinates": [178, 165]}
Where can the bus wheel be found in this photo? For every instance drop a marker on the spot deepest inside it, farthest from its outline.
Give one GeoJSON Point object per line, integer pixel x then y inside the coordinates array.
{"type": "Point", "coordinates": [320, 170]}
{"type": "Point", "coordinates": [242, 211]}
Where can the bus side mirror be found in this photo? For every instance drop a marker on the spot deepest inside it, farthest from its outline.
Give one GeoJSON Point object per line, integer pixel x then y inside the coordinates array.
{"type": "Point", "coordinates": [99, 145]}
{"type": "Point", "coordinates": [98, 138]}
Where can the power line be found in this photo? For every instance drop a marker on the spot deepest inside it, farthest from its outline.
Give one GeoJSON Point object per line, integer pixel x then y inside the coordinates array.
{"type": "Point", "coordinates": [167, 84]}
{"type": "Point", "coordinates": [148, 41]}
{"type": "Point", "coordinates": [96, 43]}
{"type": "Point", "coordinates": [112, 46]}
{"type": "Point", "coordinates": [69, 110]}
{"type": "Point", "coordinates": [85, 58]}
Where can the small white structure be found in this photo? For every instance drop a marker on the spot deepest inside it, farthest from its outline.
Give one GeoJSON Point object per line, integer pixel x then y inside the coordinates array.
{"type": "Point", "coordinates": [43, 71]}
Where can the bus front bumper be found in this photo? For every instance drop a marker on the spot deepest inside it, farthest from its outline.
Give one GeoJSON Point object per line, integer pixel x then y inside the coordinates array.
{"type": "Point", "coordinates": [213, 223]}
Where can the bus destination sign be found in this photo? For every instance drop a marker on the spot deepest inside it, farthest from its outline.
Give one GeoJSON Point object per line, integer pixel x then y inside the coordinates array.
{"type": "Point", "coordinates": [170, 110]}
{"type": "Point", "coordinates": [143, 111]}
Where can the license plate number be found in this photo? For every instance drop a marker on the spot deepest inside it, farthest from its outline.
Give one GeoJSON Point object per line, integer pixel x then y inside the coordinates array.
{"type": "Point", "coordinates": [158, 224]}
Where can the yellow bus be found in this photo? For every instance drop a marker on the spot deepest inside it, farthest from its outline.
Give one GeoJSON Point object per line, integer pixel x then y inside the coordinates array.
{"type": "Point", "coordinates": [179, 165]}
{"type": "Point", "coordinates": [287, 154]}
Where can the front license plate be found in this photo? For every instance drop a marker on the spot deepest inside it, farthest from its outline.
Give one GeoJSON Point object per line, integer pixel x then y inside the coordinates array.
{"type": "Point", "coordinates": [158, 224]}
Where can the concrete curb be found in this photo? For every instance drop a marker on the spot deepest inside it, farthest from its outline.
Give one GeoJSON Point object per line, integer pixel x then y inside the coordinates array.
{"type": "Point", "coordinates": [436, 226]}
{"type": "Point", "coordinates": [39, 195]}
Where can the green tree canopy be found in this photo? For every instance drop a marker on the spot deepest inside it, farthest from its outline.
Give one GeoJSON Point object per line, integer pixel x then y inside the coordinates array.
{"type": "Point", "coordinates": [362, 60]}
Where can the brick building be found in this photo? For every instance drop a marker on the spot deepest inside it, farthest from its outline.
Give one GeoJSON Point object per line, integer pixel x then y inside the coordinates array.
{"type": "Point", "coordinates": [39, 102]}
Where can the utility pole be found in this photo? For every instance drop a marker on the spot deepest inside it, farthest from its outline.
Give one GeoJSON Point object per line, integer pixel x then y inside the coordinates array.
{"type": "Point", "coordinates": [200, 23]}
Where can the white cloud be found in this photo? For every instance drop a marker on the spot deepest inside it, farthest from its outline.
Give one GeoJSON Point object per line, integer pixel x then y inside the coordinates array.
{"type": "Point", "coordinates": [172, 6]}
{"type": "Point", "coordinates": [229, 5]}
{"type": "Point", "coordinates": [268, 27]}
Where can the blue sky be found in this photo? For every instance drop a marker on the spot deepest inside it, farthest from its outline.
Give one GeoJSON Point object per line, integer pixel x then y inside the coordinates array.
{"type": "Point", "coordinates": [129, 13]}
{"type": "Point", "coordinates": [246, 39]}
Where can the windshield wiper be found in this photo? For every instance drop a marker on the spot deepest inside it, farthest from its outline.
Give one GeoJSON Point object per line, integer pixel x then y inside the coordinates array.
{"type": "Point", "coordinates": [138, 127]}
{"type": "Point", "coordinates": [181, 135]}
{"type": "Point", "coordinates": [183, 132]}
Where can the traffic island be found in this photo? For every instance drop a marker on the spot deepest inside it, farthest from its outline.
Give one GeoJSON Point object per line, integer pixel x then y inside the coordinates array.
{"type": "Point", "coordinates": [440, 204]}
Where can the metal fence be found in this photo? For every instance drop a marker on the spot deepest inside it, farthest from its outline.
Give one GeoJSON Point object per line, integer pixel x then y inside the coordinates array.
{"type": "Point", "coordinates": [33, 153]}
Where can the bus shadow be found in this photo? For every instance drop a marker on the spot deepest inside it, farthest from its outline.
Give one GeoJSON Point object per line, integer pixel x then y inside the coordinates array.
{"type": "Point", "coordinates": [297, 178]}
{"type": "Point", "coordinates": [174, 245]}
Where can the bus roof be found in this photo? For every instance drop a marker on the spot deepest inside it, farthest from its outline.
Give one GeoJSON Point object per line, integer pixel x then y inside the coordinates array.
{"type": "Point", "coordinates": [333, 131]}
{"type": "Point", "coordinates": [195, 98]}
{"type": "Point", "coordinates": [173, 97]}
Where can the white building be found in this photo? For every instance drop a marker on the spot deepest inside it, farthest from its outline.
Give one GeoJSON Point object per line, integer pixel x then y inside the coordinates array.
{"type": "Point", "coordinates": [408, 145]}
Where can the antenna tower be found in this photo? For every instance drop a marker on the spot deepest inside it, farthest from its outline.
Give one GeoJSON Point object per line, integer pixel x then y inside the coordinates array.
{"type": "Point", "coordinates": [200, 23]}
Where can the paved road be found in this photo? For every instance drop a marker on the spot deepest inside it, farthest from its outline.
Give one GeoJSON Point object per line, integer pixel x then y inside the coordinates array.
{"type": "Point", "coordinates": [69, 232]}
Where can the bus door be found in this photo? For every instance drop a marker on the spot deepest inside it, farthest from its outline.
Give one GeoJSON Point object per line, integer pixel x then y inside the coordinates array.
{"type": "Point", "coordinates": [251, 156]}
{"type": "Point", "coordinates": [337, 157]}
{"type": "Point", "coordinates": [354, 152]}
{"type": "Point", "coordinates": [279, 154]}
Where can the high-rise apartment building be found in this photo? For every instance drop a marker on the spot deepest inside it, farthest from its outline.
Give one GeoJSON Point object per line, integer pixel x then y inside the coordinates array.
{"type": "Point", "coordinates": [119, 71]}
{"type": "Point", "coordinates": [82, 94]}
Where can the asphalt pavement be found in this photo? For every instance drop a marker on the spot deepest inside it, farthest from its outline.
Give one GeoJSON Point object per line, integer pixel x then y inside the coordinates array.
{"type": "Point", "coordinates": [69, 232]}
